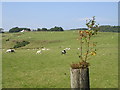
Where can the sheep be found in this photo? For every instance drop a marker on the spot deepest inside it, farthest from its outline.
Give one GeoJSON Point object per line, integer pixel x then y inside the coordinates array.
{"type": "Point", "coordinates": [67, 48]}
{"type": "Point", "coordinates": [63, 52]}
{"type": "Point", "coordinates": [39, 52]}
{"type": "Point", "coordinates": [47, 49]}
{"type": "Point", "coordinates": [43, 49]}
{"type": "Point", "coordinates": [10, 50]}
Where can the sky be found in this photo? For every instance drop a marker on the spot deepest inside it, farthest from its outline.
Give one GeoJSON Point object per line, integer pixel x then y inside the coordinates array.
{"type": "Point", "coordinates": [67, 15]}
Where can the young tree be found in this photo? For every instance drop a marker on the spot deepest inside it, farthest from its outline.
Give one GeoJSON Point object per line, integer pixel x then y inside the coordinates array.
{"type": "Point", "coordinates": [87, 47]}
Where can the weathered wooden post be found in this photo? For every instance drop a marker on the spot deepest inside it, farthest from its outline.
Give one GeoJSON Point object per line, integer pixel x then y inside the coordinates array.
{"type": "Point", "coordinates": [75, 78]}
{"type": "Point", "coordinates": [84, 79]}
{"type": "Point", "coordinates": [80, 79]}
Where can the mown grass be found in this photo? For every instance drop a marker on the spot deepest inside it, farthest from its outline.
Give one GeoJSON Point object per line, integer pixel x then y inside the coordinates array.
{"type": "Point", "coordinates": [25, 69]}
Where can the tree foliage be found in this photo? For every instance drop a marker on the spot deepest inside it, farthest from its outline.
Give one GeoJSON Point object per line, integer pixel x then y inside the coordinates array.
{"type": "Point", "coordinates": [108, 28]}
{"type": "Point", "coordinates": [1, 30]}
{"type": "Point", "coordinates": [17, 29]}
{"type": "Point", "coordinates": [56, 29]}
{"type": "Point", "coordinates": [51, 29]}
{"type": "Point", "coordinates": [43, 29]}
{"type": "Point", "coordinates": [87, 47]}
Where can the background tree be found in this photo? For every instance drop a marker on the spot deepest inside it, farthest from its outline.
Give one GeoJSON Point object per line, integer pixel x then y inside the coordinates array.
{"type": "Point", "coordinates": [108, 28]}
{"type": "Point", "coordinates": [1, 30]}
{"type": "Point", "coordinates": [44, 29]}
{"type": "Point", "coordinates": [38, 29]}
{"type": "Point", "coordinates": [17, 29]}
{"type": "Point", "coordinates": [56, 29]}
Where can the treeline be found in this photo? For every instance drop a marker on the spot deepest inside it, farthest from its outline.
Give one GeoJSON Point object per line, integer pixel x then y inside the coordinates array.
{"type": "Point", "coordinates": [80, 29]}
{"type": "Point", "coordinates": [51, 29]}
{"type": "Point", "coordinates": [17, 29]}
{"type": "Point", "coordinates": [108, 28]}
{"type": "Point", "coordinates": [104, 28]}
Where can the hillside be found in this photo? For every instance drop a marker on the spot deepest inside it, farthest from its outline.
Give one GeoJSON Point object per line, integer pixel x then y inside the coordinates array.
{"type": "Point", "coordinates": [25, 69]}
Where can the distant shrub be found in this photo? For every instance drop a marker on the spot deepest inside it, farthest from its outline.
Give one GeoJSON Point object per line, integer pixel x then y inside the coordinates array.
{"type": "Point", "coordinates": [21, 44]}
{"type": "Point", "coordinates": [7, 39]}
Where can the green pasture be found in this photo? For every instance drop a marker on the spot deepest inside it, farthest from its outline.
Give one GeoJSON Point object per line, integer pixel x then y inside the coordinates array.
{"type": "Point", "coordinates": [26, 69]}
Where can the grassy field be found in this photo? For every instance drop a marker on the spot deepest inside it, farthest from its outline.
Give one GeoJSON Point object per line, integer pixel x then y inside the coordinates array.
{"type": "Point", "coordinates": [26, 69]}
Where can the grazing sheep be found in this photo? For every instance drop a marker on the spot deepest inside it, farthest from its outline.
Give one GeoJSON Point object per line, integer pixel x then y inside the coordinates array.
{"type": "Point", "coordinates": [43, 49]}
{"type": "Point", "coordinates": [39, 52]}
{"type": "Point", "coordinates": [10, 50]}
{"type": "Point", "coordinates": [47, 49]}
{"type": "Point", "coordinates": [63, 52]}
{"type": "Point", "coordinates": [67, 48]}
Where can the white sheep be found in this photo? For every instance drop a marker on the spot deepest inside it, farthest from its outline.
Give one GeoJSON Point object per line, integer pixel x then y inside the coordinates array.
{"type": "Point", "coordinates": [67, 48]}
{"type": "Point", "coordinates": [43, 49]}
{"type": "Point", "coordinates": [47, 49]}
{"type": "Point", "coordinates": [10, 50]}
{"type": "Point", "coordinates": [39, 52]}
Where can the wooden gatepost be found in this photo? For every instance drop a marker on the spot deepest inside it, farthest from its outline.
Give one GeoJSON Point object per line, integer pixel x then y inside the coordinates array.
{"type": "Point", "coordinates": [80, 79]}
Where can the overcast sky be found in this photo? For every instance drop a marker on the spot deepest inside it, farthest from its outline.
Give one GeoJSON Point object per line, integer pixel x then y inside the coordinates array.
{"type": "Point", "coordinates": [64, 14]}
